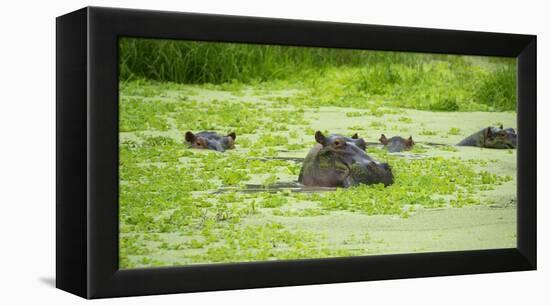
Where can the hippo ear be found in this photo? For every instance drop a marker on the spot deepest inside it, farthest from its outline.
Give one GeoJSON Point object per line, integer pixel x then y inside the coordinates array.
{"type": "Point", "coordinates": [189, 137]}
{"type": "Point", "coordinates": [383, 139]}
{"type": "Point", "coordinates": [232, 135]}
{"type": "Point", "coordinates": [320, 138]}
{"type": "Point", "coordinates": [410, 141]}
{"type": "Point", "coordinates": [501, 127]}
{"type": "Point", "coordinates": [355, 136]}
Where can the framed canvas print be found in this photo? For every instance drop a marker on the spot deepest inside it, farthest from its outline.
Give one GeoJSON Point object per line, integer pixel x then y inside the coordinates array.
{"type": "Point", "coordinates": [205, 152]}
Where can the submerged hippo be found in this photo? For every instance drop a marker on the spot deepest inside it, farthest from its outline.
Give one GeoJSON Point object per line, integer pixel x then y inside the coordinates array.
{"type": "Point", "coordinates": [338, 162]}
{"type": "Point", "coordinates": [360, 142]}
{"type": "Point", "coordinates": [397, 143]}
{"type": "Point", "coordinates": [211, 140]}
{"type": "Point", "coordinates": [492, 137]}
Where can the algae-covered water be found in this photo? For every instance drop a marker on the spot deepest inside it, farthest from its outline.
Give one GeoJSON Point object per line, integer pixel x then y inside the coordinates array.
{"type": "Point", "coordinates": [182, 206]}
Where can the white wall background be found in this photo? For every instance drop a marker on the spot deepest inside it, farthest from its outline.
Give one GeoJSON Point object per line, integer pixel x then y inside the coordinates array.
{"type": "Point", "coordinates": [27, 137]}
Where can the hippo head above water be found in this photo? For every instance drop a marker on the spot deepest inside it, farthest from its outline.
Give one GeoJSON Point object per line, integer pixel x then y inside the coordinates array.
{"type": "Point", "coordinates": [211, 140]}
{"type": "Point", "coordinates": [337, 161]}
{"type": "Point", "coordinates": [397, 143]}
{"type": "Point", "coordinates": [492, 137]}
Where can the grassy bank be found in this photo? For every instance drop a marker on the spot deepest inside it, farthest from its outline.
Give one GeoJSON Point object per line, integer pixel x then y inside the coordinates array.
{"type": "Point", "coordinates": [412, 80]}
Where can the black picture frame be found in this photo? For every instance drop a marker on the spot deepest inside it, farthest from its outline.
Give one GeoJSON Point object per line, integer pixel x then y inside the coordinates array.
{"type": "Point", "coordinates": [87, 152]}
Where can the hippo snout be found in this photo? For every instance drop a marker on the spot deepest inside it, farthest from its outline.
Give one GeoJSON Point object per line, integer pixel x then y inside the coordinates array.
{"type": "Point", "coordinates": [380, 173]}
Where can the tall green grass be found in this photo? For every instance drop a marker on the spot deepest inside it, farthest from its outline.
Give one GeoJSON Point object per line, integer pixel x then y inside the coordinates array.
{"type": "Point", "coordinates": [416, 80]}
{"type": "Point", "coordinates": [211, 62]}
{"type": "Point", "coordinates": [498, 89]}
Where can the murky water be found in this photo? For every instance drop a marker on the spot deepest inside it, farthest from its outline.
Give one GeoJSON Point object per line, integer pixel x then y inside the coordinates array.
{"type": "Point", "coordinates": [443, 229]}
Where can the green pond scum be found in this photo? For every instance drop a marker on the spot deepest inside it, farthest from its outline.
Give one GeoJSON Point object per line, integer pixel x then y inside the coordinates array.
{"type": "Point", "coordinates": [182, 206]}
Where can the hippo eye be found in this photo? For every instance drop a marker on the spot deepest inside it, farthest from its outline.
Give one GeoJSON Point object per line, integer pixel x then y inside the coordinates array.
{"type": "Point", "coordinates": [198, 143]}
{"type": "Point", "coordinates": [336, 143]}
